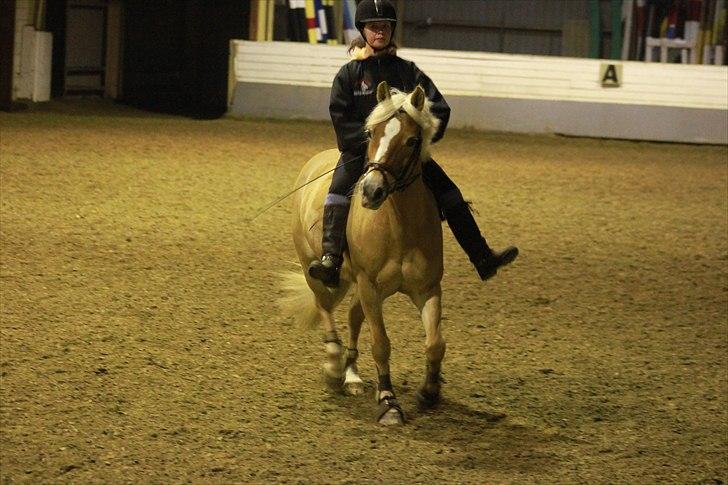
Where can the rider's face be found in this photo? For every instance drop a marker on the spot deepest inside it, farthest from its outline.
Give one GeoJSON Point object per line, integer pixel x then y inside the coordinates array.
{"type": "Point", "coordinates": [378, 34]}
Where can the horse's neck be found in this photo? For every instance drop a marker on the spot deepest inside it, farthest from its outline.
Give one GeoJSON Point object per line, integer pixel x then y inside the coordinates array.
{"type": "Point", "coordinates": [413, 201]}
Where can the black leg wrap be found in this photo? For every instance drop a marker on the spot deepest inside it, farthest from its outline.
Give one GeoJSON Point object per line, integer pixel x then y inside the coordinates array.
{"type": "Point", "coordinates": [386, 404]}
{"type": "Point", "coordinates": [433, 377]}
{"type": "Point", "coordinates": [351, 356]}
{"type": "Point", "coordinates": [385, 383]}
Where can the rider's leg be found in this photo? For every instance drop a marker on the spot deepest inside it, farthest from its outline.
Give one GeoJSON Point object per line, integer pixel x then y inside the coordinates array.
{"type": "Point", "coordinates": [336, 211]}
{"type": "Point", "coordinates": [464, 228]}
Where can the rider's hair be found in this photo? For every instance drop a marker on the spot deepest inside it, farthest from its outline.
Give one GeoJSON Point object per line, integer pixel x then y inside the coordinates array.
{"type": "Point", "coordinates": [360, 43]}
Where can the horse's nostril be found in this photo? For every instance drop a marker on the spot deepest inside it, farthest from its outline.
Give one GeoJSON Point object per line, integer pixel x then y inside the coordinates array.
{"type": "Point", "coordinates": [378, 193]}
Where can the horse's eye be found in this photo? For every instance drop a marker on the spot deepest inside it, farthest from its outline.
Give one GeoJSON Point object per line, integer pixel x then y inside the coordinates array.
{"type": "Point", "coordinates": [411, 141]}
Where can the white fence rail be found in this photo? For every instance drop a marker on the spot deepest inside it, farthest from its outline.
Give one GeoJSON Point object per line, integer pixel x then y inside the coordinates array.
{"type": "Point", "coordinates": [499, 75]}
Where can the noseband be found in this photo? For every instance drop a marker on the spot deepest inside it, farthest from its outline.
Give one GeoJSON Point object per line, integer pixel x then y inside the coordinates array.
{"type": "Point", "coordinates": [406, 177]}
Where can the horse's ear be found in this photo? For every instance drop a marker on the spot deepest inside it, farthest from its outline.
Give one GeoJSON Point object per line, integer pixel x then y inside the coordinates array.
{"type": "Point", "coordinates": [383, 91]}
{"type": "Point", "coordinates": [417, 98]}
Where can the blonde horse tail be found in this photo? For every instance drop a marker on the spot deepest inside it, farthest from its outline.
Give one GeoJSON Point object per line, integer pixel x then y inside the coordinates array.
{"type": "Point", "coordinates": [298, 301]}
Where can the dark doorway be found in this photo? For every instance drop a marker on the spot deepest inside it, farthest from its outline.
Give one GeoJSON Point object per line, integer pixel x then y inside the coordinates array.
{"type": "Point", "coordinates": [7, 44]}
{"type": "Point", "coordinates": [85, 62]}
{"type": "Point", "coordinates": [56, 25]}
{"type": "Point", "coordinates": [176, 54]}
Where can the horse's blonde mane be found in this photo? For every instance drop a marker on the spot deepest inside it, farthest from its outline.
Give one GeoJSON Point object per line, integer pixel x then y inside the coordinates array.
{"type": "Point", "coordinates": [424, 118]}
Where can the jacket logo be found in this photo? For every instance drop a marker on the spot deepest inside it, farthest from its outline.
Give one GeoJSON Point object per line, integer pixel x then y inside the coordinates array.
{"type": "Point", "coordinates": [364, 88]}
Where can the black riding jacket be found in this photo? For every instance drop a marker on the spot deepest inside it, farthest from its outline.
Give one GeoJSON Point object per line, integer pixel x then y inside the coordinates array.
{"type": "Point", "coordinates": [354, 96]}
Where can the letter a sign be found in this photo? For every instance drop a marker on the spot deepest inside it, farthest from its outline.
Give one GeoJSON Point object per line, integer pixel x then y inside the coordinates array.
{"type": "Point", "coordinates": [610, 75]}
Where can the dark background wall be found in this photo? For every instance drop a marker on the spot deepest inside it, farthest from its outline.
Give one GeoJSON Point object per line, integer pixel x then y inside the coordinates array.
{"type": "Point", "coordinates": [7, 38]}
{"type": "Point", "coordinates": [56, 24]}
{"type": "Point", "coordinates": [176, 54]}
{"type": "Point", "coordinates": [538, 27]}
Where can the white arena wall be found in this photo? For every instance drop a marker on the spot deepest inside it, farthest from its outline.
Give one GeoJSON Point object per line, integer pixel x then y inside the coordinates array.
{"type": "Point", "coordinates": [502, 92]}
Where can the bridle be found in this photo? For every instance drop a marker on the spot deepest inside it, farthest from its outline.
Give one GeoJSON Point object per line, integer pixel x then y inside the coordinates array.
{"type": "Point", "coordinates": [401, 180]}
{"type": "Point", "coordinates": [407, 176]}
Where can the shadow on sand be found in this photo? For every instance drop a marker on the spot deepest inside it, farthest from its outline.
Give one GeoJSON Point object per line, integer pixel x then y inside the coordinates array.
{"type": "Point", "coordinates": [465, 437]}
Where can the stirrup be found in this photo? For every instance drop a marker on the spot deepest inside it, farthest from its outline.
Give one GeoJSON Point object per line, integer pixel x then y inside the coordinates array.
{"type": "Point", "coordinates": [326, 270]}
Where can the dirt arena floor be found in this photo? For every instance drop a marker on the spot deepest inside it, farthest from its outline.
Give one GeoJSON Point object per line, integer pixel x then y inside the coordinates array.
{"type": "Point", "coordinates": [141, 340]}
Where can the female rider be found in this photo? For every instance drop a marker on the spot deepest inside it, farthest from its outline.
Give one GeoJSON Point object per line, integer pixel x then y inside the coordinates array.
{"type": "Point", "coordinates": [353, 97]}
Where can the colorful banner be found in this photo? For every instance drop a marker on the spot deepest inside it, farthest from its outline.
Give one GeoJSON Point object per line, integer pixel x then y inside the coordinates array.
{"type": "Point", "coordinates": [297, 21]}
{"type": "Point", "coordinates": [314, 32]}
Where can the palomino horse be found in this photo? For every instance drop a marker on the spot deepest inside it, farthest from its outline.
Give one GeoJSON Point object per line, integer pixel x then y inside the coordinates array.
{"type": "Point", "coordinates": [394, 238]}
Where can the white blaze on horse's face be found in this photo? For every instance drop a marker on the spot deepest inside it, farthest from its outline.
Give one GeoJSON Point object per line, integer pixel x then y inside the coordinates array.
{"type": "Point", "coordinates": [374, 184]}
{"type": "Point", "coordinates": [390, 131]}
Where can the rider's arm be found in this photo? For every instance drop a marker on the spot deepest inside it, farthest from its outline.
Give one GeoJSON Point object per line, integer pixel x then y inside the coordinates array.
{"type": "Point", "coordinates": [439, 108]}
{"type": "Point", "coordinates": [349, 127]}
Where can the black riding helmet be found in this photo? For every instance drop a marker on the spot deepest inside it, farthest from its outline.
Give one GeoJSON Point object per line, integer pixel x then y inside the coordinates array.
{"type": "Point", "coordinates": [374, 11]}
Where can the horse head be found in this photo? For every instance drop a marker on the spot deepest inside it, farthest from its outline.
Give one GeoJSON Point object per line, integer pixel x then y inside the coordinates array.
{"type": "Point", "coordinates": [400, 129]}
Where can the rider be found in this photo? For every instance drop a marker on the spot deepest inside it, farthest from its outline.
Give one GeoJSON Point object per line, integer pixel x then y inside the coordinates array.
{"type": "Point", "coordinates": [353, 97]}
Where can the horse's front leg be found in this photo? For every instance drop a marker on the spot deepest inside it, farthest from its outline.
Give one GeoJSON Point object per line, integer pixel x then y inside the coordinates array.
{"type": "Point", "coordinates": [429, 305]}
{"type": "Point", "coordinates": [353, 385]}
{"type": "Point", "coordinates": [389, 412]}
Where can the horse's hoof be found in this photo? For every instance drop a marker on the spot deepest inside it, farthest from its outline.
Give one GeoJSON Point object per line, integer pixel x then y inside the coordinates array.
{"type": "Point", "coordinates": [427, 400]}
{"type": "Point", "coordinates": [391, 417]}
{"type": "Point", "coordinates": [354, 388]}
{"type": "Point", "coordinates": [390, 412]}
{"type": "Point", "coordinates": [333, 382]}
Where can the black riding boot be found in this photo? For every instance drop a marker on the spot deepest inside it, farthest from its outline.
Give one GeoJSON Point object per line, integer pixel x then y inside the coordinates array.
{"type": "Point", "coordinates": [334, 240]}
{"type": "Point", "coordinates": [465, 229]}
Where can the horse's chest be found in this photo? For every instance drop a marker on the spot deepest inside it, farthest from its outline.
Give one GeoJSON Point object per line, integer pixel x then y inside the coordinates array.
{"type": "Point", "coordinates": [398, 255]}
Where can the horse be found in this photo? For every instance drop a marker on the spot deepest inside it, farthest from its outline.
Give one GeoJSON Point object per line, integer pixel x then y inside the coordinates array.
{"type": "Point", "coordinates": [394, 235]}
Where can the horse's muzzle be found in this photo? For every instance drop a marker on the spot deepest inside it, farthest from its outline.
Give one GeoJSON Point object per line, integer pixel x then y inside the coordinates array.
{"type": "Point", "coordinates": [374, 192]}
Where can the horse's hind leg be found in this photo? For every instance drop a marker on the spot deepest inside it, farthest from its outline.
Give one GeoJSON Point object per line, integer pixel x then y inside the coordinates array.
{"type": "Point", "coordinates": [353, 385]}
{"type": "Point", "coordinates": [430, 310]}
{"type": "Point", "coordinates": [333, 366]}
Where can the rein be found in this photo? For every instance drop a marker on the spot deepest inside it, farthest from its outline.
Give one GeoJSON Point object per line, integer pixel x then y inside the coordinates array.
{"type": "Point", "coordinates": [265, 208]}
